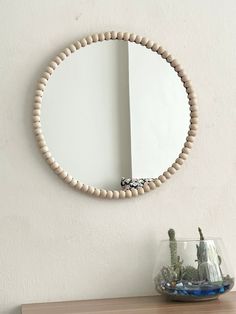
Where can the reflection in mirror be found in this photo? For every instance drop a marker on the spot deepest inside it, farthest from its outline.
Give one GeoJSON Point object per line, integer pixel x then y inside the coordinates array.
{"type": "Point", "coordinates": [115, 109]}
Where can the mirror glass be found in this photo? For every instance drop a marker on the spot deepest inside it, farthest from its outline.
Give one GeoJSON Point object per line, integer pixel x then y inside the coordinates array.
{"type": "Point", "coordinates": [114, 109]}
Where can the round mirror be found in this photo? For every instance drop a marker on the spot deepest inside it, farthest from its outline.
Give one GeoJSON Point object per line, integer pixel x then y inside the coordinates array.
{"type": "Point", "coordinates": [115, 115]}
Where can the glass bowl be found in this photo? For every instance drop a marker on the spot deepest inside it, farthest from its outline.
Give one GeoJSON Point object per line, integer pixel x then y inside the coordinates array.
{"type": "Point", "coordinates": [192, 270]}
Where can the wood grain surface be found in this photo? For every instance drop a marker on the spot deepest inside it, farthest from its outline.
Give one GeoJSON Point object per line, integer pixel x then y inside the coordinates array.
{"type": "Point", "coordinates": [135, 305]}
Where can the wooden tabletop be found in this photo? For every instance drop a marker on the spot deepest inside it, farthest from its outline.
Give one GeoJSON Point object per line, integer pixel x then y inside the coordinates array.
{"type": "Point", "coordinates": [145, 305]}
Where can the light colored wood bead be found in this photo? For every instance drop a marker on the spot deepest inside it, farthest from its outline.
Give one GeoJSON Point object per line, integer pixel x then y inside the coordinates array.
{"type": "Point", "coordinates": [62, 55]}
{"type": "Point", "coordinates": [126, 36]}
{"type": "Point", "coordinates": [38, 131]}
{"type": "Point", "coordinates": [146, 187]}
{"type": "Point", "coordinates": [43, 80]}
{"type": "Point", "coordinates": [122, 194]}
{"type": "Point", "coordinates": [179, 161]}
{"type": "Point", "coordinates": [191, 95]}
{"type": "Point", "coordinates": [128, 194]}
{"type": "Point", "coordinates": [149, 44]}
{"type": "Point", "coordinates": [172, 170]}
{"type": "Point", "coordinates": [184, 78]}
{"type": "Point", "coordinates": [155, 47]}
{"type": "Point", "coordinates": [113, 35]}
{"type": "Point", "coordinates": [194, 114]}
{"type": "Point", "coordinates": [39, 93]}
{"type": "Point", "coordinates": [101, 37]}
{"type": "Point", "coordinates": [120, 35]}
{"type": "Point", "coordinates": [85, 188]}
{"type": "Point", "coordinates": [50, 69]}
{"type": "Point", "coordinates": [162, 178]}
{"type": "Point", "coordinates": [193, 127]}
{"type": "Point", "coordinates": [132, 37]}
{"type": "Point", "coordinates": [167, 174]}
{"type": "Point", "coordinates": [160, 50]}
{"type": "Point", "coordinates": [165, 54]}
{"type": "Point", "coordinates": [46, 75]}
{"type": "Point", "coordinates": [36, 119]}
{"type": "Point", "coordinates": [188, 145]}
{"type": "Point", "coordinates": [47, 155]}
{"type": "Point", "coordinates": [158, 183]}
{"type": "Point", "coordinates": [77, 44]}
{"type": "Point", "coordinates": [72, 48]}
{"type": "Point", "coordinates": [41, 87]}
{"type": "Point", "coordinates": [190, 139]}
{"type": "Point", "coordinates": [44, 149]}
{"type": "Point", "coordinates": [59, 170]}
{"type": "Point", "coordinates": [192, 102]}
{"type": "Point", "coordinates": [169, 58]}
{"type": "Point", "coordinates": [152, 185]}
{"type": "Point", "coordinates": [39, 137]}
{"type": "Point", "coordinates": [73, 182]}
{"type": "Point", "coordinates": [95, 37]}
{"type": "Point", "coordinates": [138, 39]}
{"type": "Point", "coordinates": [53, 65]}
{"type": "Point", "coordinates": [144, 41]}
{"type": "Point", "coordinates": [89, 40]}
{"type": "Point", "coordinates": [36, 112]}
{"type": "Point", "coordinates": [116, 194]}
{"type": "Point", "coordinates": [79, 185]}
{"type": "Point", "coordinates": [176, 166]}
{"type": "Point", "coordinates": [41, 143]}
{"type": "Point", "coordinates": [97, 192]}
{"type": "Point", "coordinates": [192, 133]}
{"type": "Point", "coordinates": [107, 35]}
{"type": "Point", "coordinates": [134, 192]}
{"type": "Point", "coordinates": [37, 105]}
{"type": "Point", "coordinates": [103, 193]}
{"type": "Point", "coordinates": [54, 165]}
{"type": "Point", "coordinates": [37, 125]}
{"type": "Point", "coordinates": [194, 120]}
{"type": "Point", "coordinates": [83, 42]}
{"type": "Point", "coordinates": [178, 68]}
{"type": "Point", "coordinates": [140, 191]}
{"type": "Point", "coordinates": [109, 194]}
{"type": "Point", "coordinates": [183, 156]}
{"type": "Point", "coordinates": [38, 99]}
{"type": "Point", "coordinates": [181, 74]}
{"type": "Point", "coordinates": [91, 190]}
{"type": "Point", "coordinates": [63, 175]}
{"type": "Point", "coordinates": [50, 160]}
{"type": "Point", "coordinates": [67, 52]}
{"type": "Point", "coordinates": [174, 63]}
{"type": "Point", "coordinates": [68, 178]}
{"type": "Point", "coordinates": [185, 150]}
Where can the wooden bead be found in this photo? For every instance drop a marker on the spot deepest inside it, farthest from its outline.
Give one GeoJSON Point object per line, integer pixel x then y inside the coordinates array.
{"type": "Point", "coordinates": [68, 178]}
{"type": "Point", "coordinates": [167, 175]}
{"type": "Point", "coordinates": [152, 185]}
{"type": "Point", "coordinates": [158, 183]}
{"type": "Point", "coordinates": [77, 44]}
{"type": "Point", "coordinates": [122, 194]}
{"type": "Point", "coordinates": [179, 161]}
{"type": "Point", "coordinates": [73, 182]}
{"type": "Point", "coordinates": [174, 63]}
{"type": "Point", "coordinates": [183, 156]}
{"type": "Point", "coordinates": [149, 44]}
{"type": "Point", "coordinates": [113, 35]}
{"type": "Point", "coordinates": [162, 178]}
{"type": "Point", "coordinates": [172, 170]}
{"type": "Point", "coordinates": [134, 192]}
{"type": "Point", "coordinates": [85, 188]}
{"type": "Point", "coordinates": [176, 166]}
{"type": "Point", "coordinates": [37, 105]}
{"type": "Point", "coordinates": [101, 37]}
{"type": "Point", "coordinates": [95, 37]}
{"type": "Point", "coordinates": [97, 192]}
{"type": "Point", "coordinates": [132, 37]}
{"type": "Point", "coordinates": [103, 193]}
{"type": "Point", "coordinates": [138, 39]}
{"type": "Point", "coordinates": [59, 170]}
{"type": "Point", "coordinates": [146, 187]}
{"type": "Point", "coordinates": [192, 133]}
{"type": "Point", "coordinates": [83, 42]}
{"type": "Point", "coordinates": [109, 194]}
{"type": "Point", "coordinates": [188, 144]}
{"type": "Point", "coordinates": [126, 36]}
{"type": "Point", "coordinates": [36, 118]}
{"type": "Point", "coordinates": [128, 193]}
{"type": "Point", "coordinates": [116, 194]}
{"type": "Point", "coordinates": [193, 127]}
{"type": "Point", "coordinates": [79, 185]}
{"type": "Point", "coordinates": [144, 41]}
{"type": "Point", "coordinates": [165, 54]}
{"type": "Point", "coordinates": [47, 155]}
{"type": "Point", "coordinates": [54, 165]}
{"type": "Point", "coordinates": [62, 55]}
{"type": "Point", "coordinates": [160, 50]}
{"type": "Point", "coordinates": [120, 35]}
{"type": "Point", "coordinates": [155, 47]}
{"type": "Point", "coordinates": [91, 190]}
{"type": "Point", "coordinates": [89, 40]}
{"type": "Point", "coordinates": [140, 191]}
{"type": "Point", "coordinates": [107, 35]}
{"type": "Point", "coordinates": [39, 93]}
{"type": "Point", "coordinates": [72, 48]}
{"type": "Point", "coordinates": [50, 160]}
{"type": "Point", "coordinates": [63, 175]}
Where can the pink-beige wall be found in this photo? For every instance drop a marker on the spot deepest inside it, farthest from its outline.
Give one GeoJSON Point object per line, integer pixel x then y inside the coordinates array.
{"type": "Point", "coordinates": [56, 244]}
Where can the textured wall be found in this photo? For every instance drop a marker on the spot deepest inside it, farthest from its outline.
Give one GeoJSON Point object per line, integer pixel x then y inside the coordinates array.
{"type": "Point", "coordinates": [56, 244]}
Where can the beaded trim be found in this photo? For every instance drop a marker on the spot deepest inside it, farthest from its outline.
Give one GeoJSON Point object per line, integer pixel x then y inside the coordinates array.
{"type": "Point", "coordinates": [66, 177]}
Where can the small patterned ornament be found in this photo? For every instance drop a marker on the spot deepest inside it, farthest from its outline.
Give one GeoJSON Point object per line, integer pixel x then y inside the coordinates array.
{"type": "Point", "coordinates": [134, 183]}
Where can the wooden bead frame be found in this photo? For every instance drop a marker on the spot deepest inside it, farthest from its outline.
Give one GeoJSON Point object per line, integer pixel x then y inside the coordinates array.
{"type": "Point", "coordinates": [156, 48]}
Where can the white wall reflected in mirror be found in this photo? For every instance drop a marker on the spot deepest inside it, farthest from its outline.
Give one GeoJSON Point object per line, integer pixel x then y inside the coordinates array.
{"type": "Point", "coordinates": [114, 109]}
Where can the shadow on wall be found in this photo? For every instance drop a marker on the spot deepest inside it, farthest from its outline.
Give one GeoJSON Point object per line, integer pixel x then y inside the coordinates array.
{"type": "Point", "coordinates": [15, 310]}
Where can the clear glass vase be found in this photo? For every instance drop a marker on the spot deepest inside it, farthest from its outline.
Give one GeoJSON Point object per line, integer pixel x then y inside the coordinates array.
{"type": "Point", "coordinates": [192, 270]}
